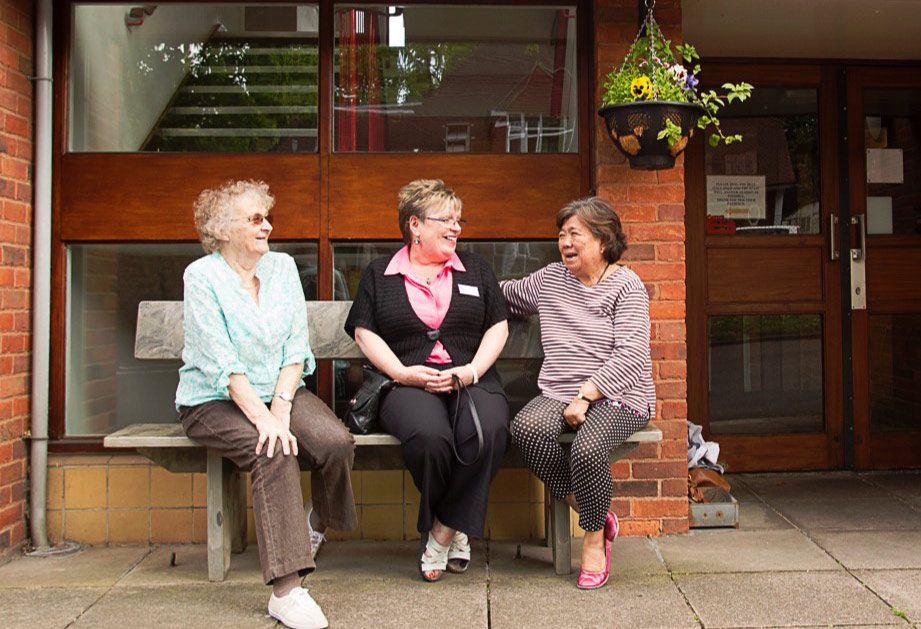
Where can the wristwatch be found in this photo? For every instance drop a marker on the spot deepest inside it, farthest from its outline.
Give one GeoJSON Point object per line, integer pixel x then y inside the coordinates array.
{"type": "Point", "coordinates": [287, 397]}
{"type": "Point", "coordinates": [583, 397]}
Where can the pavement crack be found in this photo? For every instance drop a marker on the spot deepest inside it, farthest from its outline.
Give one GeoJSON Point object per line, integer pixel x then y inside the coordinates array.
{"type": "Point", "coordinates": [127, 571]}
{"type": "Point", "coordinates": [488, 586]}
{"type": "Point", "coordinates": [671, 575]}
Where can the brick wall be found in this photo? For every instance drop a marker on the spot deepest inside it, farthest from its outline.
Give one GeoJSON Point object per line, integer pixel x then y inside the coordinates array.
{"type": "Point", "coordinates": [651, 204]}
{"type": "Point", "coordinates": [15, 262]}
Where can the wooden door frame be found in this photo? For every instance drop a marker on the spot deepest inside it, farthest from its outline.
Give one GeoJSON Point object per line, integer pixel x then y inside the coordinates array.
{"type": "Point", "coordinates": [821, 450]}
{"type": "Point", "coordinates": [879, 450]}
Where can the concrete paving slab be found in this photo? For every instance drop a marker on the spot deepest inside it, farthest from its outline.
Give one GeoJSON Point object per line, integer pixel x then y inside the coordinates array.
{"type": "Point", "coordinates": [856, 514]}
{"type": "Point", "coordinates": [782, 599]}
{"type": "Point", "coordinates": [89, 567]}
{"type": "Point", "coordinates": [799, 486]}
{"type": "Point", "coordinates": [647, 601]}
{"type": "Point", "coordinates": [398, 561]}
{"type": "Point", "coordinates": [901, 589]}
{"type": "Point", "coordinates": [400, 604]}
{"type": "Point", "coordinates": [756, 516]}
{"type": "Point", "coordinates": [906, 485]}
{"type": "Point", "coordinates": [59, 606]}
{"type": "Point", "coordinates": [872, 549]}
{"type": "Point", "coordinates": [191, 566]}
{"type": "Point", "coordinates": [231, 605]}
{"type": "Point", "coordinates": [631, 556]}
{"type": "Point", "coordinates": [727, 550]}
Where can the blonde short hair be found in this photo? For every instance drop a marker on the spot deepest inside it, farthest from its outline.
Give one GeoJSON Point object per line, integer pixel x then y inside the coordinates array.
{"type": "Point", "coordinates": [418, 196]}
{"type": "Point", "coordinates": [212, 208]}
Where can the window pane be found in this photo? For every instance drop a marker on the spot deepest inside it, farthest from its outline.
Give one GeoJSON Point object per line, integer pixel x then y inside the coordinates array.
{"type": "Point", "coordinates": [891, 130]}
{"type": "Point", "coordinates": [895, 372]}
{"type": "Point", "coordinates": [194, 77]}
{"type": "Point", "coordinates": [107, 388]}
{"type": "Point", "coordinates": [769, 182]}
{"type": "Point", "coordinates": [450, 79]}
{"type": "Point", "coordinates": [766, 374]}
{"type": "Point", "coordinates": [509, 260]}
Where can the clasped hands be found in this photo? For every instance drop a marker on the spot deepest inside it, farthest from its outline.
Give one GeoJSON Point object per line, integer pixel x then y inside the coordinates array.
{"type": "Point", "coordinates": [274, 430]}
{"type": "Point", "coordinates": [433, 380]}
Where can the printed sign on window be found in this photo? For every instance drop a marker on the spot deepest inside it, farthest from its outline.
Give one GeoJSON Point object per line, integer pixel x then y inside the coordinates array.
{"type": "Point", "coordinates": [736, 197]}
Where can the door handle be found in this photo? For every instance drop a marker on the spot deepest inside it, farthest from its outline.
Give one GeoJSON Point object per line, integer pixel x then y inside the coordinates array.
{"type": "Point", "coordinates": [833, 252]}
{"type": "Point", "coordinates": [861, 251]}
{"type": "Point", "coordinates": [858, 265]}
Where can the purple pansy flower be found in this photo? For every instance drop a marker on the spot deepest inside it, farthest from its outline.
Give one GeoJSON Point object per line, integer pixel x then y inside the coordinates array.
{"type": "Point", "coordinates": [690, 83]}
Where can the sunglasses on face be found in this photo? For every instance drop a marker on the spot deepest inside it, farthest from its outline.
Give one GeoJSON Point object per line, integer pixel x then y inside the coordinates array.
{"type": "Point", "coordinates": [256, 219]}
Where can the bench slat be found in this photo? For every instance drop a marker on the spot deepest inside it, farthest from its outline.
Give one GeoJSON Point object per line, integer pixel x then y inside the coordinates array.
{"type": "Point", "coordinates": [172, 436]}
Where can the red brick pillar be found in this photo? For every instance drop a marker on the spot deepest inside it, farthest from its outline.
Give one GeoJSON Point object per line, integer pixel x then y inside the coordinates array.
{"type": "Point", "coordinates": [651, 486]}
{"type": "Point", "coordinates": [15, 262]}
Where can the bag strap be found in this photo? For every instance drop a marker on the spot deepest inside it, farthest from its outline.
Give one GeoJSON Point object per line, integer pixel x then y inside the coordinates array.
{"type": "Point", "coordinates": [461, 389]}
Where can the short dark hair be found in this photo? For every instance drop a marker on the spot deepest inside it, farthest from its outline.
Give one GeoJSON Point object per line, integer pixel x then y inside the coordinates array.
{"type": "Point", "coordinates": [418, 196]}
{"type": "Point", "coordinates": [601, 220]}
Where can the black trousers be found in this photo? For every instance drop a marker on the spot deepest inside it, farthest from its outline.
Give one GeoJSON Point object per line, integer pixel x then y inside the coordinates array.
{"type": "Point", "coordinates": [454, 493]}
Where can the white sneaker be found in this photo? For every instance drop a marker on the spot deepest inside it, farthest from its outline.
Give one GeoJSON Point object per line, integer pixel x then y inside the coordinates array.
{"type": "Point", "coordinates": [297, 610]}
{"type": "Point", "coordinates": [317, 539]}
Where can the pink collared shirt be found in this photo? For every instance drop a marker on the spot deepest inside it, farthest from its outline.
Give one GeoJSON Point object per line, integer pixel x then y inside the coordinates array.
{"type": "Point", "coordinates": [429, 302]}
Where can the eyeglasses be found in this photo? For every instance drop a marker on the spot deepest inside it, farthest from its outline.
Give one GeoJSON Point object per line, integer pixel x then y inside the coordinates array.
{"type": "Point", "coordinates": [460, 222]}
{"type": "Point", "coordinates": [255, 219]}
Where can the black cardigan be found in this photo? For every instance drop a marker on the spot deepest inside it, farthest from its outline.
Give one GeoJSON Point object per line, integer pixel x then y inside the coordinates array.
{"type": "Point", "coordinates": [383, 307]}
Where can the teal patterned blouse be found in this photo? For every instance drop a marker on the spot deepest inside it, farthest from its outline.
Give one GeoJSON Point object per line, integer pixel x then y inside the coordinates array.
{"type": "Point", "coordinates": [226, 332]}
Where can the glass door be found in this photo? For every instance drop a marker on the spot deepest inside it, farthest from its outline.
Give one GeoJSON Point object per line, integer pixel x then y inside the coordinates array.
{"type": "Point", "coordinates": [764, 314]}
{"type": "Point", "coordinates": [884, 123]}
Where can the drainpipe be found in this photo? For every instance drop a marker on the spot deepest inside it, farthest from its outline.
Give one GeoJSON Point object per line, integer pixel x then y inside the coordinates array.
{"type": "Point", "coordinates": [41, 274]}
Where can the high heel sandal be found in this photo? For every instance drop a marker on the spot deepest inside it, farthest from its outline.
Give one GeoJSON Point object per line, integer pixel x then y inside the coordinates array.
{"type": "Point", "coordinates": [459, 553]}
{"type": "Point", "coordinates": [433, 558]}
{"type": "Point", "coordinates": [590, 580]}
{"type": "Point", "coordinates": [611, 526]}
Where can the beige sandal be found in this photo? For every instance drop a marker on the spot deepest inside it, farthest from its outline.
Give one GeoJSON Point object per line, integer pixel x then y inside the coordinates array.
{"type": "Point", "coordinates": [459, 553]}
{"type": "Point", "coordinates": [433, 558]}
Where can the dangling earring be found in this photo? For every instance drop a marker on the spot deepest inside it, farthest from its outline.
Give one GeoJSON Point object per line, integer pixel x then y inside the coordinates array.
{"type": "Point", "coordinates": [415, 241]}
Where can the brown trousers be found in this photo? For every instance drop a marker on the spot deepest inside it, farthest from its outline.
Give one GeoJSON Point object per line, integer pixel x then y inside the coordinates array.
{"type": "Point", "coordinates": [325, 447]}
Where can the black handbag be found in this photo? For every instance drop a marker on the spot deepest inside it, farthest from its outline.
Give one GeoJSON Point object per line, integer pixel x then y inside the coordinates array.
{"type": "Point", "coordinates": [361, 416]}
{"type": "Point", "coordinates": [461, 390]}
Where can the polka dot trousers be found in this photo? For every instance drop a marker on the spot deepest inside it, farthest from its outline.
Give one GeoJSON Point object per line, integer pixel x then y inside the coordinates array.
{"type": "Point", "coordinates": [588, 475]}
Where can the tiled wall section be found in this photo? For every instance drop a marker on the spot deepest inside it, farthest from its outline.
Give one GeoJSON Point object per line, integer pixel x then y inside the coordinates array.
{"type": "Point", "coordinates": [651, 486]}
{"type": "Point", "coordinates": [125, 499]}
{"type": "Point", "coordinates": [15, 260]}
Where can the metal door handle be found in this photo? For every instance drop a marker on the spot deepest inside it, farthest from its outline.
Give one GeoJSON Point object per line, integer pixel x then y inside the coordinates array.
{"type": "Point", "coordinates": [832, 228]}
{"type": "Point", "coordinates": [861, 221]}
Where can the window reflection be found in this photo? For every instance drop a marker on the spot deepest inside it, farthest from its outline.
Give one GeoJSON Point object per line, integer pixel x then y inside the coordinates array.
{"type": "Point", "coordinates": [765, 374]}
{"type": "Point", "coordinates": [769, 182]}
{"type": "Point", "coordinates": [895, 371]}
{"type": "Point", "coordinates": [456, 79]}
{"type": "Point", "coordinates": [107, 388]}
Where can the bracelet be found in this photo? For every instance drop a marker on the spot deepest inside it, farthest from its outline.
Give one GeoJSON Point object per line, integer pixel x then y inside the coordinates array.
{"type": "Point", "coordinates": [476, 376]}
{"type": "Point", "coordinates": [580, 396]}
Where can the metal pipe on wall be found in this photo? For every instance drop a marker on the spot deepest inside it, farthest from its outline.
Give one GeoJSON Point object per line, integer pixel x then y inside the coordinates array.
{"type": "Point", "coordinates": [41, 274]}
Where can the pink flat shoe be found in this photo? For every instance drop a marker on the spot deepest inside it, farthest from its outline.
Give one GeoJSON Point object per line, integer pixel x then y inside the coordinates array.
{"type": "Point", "coordinates": [611, 526]}
{"type": "Point", "coordinates": [589, 580]}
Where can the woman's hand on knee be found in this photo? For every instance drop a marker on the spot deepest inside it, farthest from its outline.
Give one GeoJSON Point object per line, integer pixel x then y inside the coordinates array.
{"type": "Point", "coordinates": [574, 414]}
{"type": "Point", "coordinates": [273, 433]}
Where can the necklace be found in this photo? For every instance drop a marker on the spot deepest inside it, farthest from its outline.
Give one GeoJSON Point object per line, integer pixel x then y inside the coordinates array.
{"type": "Point", "coordinates": [601, 277]}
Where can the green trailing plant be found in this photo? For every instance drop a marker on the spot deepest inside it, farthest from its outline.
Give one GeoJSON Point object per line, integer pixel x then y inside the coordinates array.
{"type": "Point", "coordinates": [655, 70]}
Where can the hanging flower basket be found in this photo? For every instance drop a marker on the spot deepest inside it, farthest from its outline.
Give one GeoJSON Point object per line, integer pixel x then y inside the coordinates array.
{"type": "Point", "coordinates": [635, 127]}
{"type": "Point", "coordinates": [651, 105]}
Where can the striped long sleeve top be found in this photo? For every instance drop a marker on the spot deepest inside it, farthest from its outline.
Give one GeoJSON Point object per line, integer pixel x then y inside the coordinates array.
{"type": "Point", "coordinates": [598, 333]}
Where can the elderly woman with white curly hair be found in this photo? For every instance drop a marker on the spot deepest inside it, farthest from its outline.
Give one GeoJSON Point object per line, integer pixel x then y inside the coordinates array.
{"type": "Point", "coordinates": [241, 390]}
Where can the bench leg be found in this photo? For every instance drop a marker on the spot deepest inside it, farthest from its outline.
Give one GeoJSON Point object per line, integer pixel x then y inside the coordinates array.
{"type": "Point", "coordinates": [219, 498]}
{"type": "Point", "coordinates": [562, 546]}
{"type": "Point", "coordinates": [236, 511]}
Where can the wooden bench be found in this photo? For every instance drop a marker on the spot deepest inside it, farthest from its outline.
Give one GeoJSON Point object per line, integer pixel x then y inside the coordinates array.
{"type": "Point", "coordinates": [160, 337]}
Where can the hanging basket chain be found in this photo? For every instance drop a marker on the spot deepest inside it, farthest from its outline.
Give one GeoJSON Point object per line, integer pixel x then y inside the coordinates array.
{"type": "Point", "coordinates": [651, 28]}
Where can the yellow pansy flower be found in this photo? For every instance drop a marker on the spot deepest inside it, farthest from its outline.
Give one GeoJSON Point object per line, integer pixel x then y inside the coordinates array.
{"type": "Point", "coordinates": [641, 88]}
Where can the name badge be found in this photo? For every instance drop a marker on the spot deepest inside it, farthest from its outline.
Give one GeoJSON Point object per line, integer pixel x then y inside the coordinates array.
{"type": "Point", "coordinates": [466, 289]}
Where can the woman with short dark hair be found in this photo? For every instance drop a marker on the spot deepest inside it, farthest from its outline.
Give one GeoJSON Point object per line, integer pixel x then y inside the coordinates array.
{"type": "Point", "coordinates": [596, 378]}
